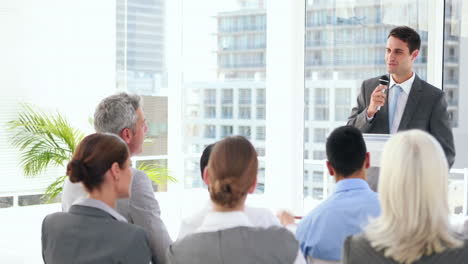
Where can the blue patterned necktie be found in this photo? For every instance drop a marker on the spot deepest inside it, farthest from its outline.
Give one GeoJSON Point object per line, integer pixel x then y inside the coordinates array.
{"type": "Point", "coordinates": [396, 90]}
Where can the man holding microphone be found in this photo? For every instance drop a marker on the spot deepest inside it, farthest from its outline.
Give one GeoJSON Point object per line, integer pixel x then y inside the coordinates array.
{"type": "Point", "coordinates": [407, 102]}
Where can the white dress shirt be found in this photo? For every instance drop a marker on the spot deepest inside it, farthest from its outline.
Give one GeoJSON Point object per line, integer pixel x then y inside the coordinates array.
{"type": "Point", "coordinates": [258, 217]}
{"type": "Point", "coordinates": [215, 221]}
{"type": "Point", "coordinates": [402, 99]}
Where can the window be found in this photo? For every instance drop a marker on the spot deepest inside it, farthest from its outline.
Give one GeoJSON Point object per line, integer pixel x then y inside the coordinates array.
{"type": "Point", "coordinates": [226, 131]}
{"type": "Point", "coordinates": [245, 96]}
{"type": "Point", "coordinates": [260, 112]}
{"type": "Point", "coordinates": [227, 96]}
{"type": "Point", "coordinates": [210, 96]}
{"type": "Point", "coordinates": [244, 131]}
{"type": "Point", "coordinates": [319, 155]}
{"type": "Point", "coordinates": [260, 135]}
{"type": "Point", "coordinates": [226, 112]}
{"type": "Point", "coordinates": [210, 112]}
{"type": "Point", "coordinates": [244, 112]}
{"type": "Point", "coordinates": [210, 131]}
{"type": "Point", "coordinates": [320, 135]}
{"type": "Point", "coordinates": [261, 96]}
{"type": "Point", "coordinates": [261, 152]}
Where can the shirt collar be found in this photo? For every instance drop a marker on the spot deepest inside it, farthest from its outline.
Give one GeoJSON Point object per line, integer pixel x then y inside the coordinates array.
{"type": "Point", "coordinates": [90, 202]}
{"type": "Point", "coordinates": [351, 184]}
{"type": "Point", "coordinates": [215, 221]}
{"type": "Point", "coordinates": [406, 85]}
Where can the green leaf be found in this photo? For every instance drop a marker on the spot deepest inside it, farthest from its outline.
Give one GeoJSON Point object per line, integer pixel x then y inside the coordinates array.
{"type": "Point", "coordinates": [159, 174]}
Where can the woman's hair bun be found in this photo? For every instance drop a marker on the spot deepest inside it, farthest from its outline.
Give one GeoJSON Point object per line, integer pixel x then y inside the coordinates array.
{"type": "Point", "coordinates": [76, 170]}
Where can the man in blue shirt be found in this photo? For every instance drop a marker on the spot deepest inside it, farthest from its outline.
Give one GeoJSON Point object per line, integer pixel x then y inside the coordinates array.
{"type": "Point", "coordinates": [347, 211]}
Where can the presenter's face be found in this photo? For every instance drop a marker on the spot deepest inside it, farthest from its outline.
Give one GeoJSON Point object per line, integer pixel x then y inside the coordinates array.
{"type": "Point", "coordinates": [398, 58]}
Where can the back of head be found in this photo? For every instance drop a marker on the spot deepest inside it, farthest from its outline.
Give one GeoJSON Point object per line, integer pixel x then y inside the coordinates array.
{"type": "Point", "coordinates": [413, 194]}
{"type": "Point", "coordinates": [407, 35]}
{"type": "Point", "coordinates": [205, 157]}
{"type": "Point", "coordinates": [94, 156]}
{"type": "Point", "coordinates": [116, 112]}
{"type": "Point", "coordinates": [232, 170]}
{"type": "Point", "coordinates": [346, 150]}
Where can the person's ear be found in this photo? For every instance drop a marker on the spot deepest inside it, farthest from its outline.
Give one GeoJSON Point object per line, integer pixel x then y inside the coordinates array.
{"type": "Point", "coordinates": [115, 171]}
{"type": "Point", "coordinates": [127, 135]}
{"type": "Point", "coordinates": [414, 55]}
{"type": "Point", "coordinates": [367, 161]}
{"type": "Point", "coordinates": [206, 177]}
{"type": "Point", "coordinates": [331, 171]}
{"type": "Point", "coordinates": [254, 185]}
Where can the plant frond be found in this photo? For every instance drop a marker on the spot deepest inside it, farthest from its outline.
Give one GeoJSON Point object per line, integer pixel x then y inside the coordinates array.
{"type": "Point", "coordinates": [42, 139]}
{"type": "Point", "coordinates": [54, 189]}
{"type": "Point", "coordinates": [158, 174]}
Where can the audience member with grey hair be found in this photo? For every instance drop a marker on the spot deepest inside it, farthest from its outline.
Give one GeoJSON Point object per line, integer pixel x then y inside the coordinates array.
{"type": "Point", "coordinates": [121, 114]}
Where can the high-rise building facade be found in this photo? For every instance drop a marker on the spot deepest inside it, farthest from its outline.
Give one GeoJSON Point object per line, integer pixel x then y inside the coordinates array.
{"type": "Point", "coordinates": [140, 56]}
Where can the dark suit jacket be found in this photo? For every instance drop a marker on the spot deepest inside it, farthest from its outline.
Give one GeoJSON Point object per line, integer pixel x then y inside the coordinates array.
{"type": "Point", "coordinates": [357, 250]}
{"type": "Point", "coordinates": [90, 235]}
{"type": "Point", "coordinates": [426, 109]}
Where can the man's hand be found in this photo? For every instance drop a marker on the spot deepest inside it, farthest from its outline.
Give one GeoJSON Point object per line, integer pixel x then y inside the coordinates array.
{"type": "Point", "coordinates": [377, 99]}
{"type": "Point", "coordinates": [285, 218]}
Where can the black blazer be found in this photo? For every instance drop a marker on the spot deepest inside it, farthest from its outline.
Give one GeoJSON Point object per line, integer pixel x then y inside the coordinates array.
{"type": "Point", "coordinates": [90, 235]}
{"type": "Point", "coordinates": [426, 109]}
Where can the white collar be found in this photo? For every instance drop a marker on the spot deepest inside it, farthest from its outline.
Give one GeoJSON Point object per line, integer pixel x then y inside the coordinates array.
{"type": "Point", "coordinates": [90, 202]}
{"type": "Point", "coordinates": [406, 85]}
{"type": "Point", "coordinates": [215, 221]}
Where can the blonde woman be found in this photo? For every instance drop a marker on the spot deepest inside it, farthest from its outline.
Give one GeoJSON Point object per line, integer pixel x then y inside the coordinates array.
{"type": "Point", "coordinates": [414, 225]}
{"type": "Point", "coordinates": [226, 234]}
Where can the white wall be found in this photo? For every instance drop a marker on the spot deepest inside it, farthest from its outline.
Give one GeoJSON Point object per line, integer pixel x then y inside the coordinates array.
{"type": "Point", "coordinates": [58, 55]}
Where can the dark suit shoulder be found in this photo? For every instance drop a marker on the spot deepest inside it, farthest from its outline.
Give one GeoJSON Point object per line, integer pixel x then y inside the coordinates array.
{"type": "Point", "coordinates": [372, 82]}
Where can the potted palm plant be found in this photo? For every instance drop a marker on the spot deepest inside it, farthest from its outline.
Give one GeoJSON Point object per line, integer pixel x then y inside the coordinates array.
{"type": "Point", "coordinates": [47, 139]}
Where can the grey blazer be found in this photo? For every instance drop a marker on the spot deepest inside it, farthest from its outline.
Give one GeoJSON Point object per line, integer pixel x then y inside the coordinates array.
{"type": "Point", "coordinates": [357, 250]}
{"type": "Point", "coordinates": [246, 245]}
{"type": "Point", "coordinates": [90, 235]}
{"type": "Point", "coordinates": [426, 109]}
{"type": "Point", "coordinates": [141, 209]}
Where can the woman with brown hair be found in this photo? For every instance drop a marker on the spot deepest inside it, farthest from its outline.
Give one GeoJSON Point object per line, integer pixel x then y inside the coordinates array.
{"type": "Point", "coordinates": [226, 234]}
{"type": "Point", "coordinates": [92, 231]}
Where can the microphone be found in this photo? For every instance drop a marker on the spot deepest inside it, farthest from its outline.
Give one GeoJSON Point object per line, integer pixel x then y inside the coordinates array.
{"type": "Point", "coordinates": [384, 80]}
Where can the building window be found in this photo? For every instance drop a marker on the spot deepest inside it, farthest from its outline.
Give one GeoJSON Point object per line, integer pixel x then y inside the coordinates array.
{"type": "Point", "coordinates": [210, 131]}
{"type": "Point", "coordinates": [227, 96]}
{"type": "Point", "coordinates": [226, 112]}
{"type": "Point", "coordinates": [317, 176]}
{"type": "Point", "coordinates": [210, 112]}
{"type": "Point", "coordinates": [245, 131]}
{"type": "Point", "coordinates": [260, 133]}
{"type": "Point", "coordinates": [244, 112]}
{"type": "Point", "coordinates": [261, 152]}
{"type": "Point", "coordinates": [226, 131]}
{"type": "Point", "coordinates": [245, 96]}
{"type": "Point", "coordinates": [306, 134]}
{"type": "Point", "coordinates": [261, 97]}
{"type": "Point", "coordinates": [321, 96]}
{"type": "Point", "coordinates": [319, 155]}
{"type": "Point", "coordinates": [261, 113]}
{"type": "Point", "coordinates": [321, 113]}
{"type": "Point", "coordinates": [210, 96]}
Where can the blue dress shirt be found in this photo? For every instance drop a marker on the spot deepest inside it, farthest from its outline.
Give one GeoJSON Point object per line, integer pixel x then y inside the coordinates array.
{"type": "Point", "coordinates": [346, 212]}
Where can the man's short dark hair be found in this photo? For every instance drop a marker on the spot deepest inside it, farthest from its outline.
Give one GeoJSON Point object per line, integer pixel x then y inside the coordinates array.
{"type": "Point", "coordinates": [407, 35]}
{"type": "Point", "coordinates": [346, 150]}
{"type": "Point", "coordinates": [205, 157]}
